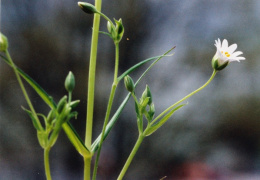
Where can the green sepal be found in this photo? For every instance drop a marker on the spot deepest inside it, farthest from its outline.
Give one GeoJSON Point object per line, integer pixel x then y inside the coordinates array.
{"type": "Point", "coordinates": [216, 66]}
{"type": "Point", "coordinates": [35, 122]}
{"type": "Point", "coordinates": [137, 109]}
{"type": "Point", "coordinates": [50, 118]}
{"type": "Point", "coordinates": [157, 124]}
{"type": "Point", "coordinates": [151, 112]}
{"type": "Point", "coordinates": [73, 114]}
{"type": "Point", "coordinates": [43, 138]}
{"type": "Point", "coordinates": [143, 104]}
{"type": "Point", "coordinates": [74, 104]}
{"type": "Point", "coordinates": [62, 103]}
{"type": "Point", "coordinates": [108, 34]}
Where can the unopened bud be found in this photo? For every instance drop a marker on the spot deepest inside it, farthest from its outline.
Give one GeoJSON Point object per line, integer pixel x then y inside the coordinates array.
{"type": "Point", "coordinates": [87, 7]}
{"type": "Point", "coordinates": [3, 43]}
{"type": "Point", "coordinates": [119, 29]}
{"type": "Point", "coordinates": [70, 82]}
{"type": "Point", "coordinates": [129, 83]}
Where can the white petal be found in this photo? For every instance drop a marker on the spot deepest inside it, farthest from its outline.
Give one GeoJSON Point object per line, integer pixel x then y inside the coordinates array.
{"type": "Point", "coordinates": [225, 44]}
{"type": "Point", "coordinates": [237, 53]}
{"type": "Point", "coordinates": [217, 43]}
{"type": "Point", "coordinates": [240, 58]}
{"type": "Point", "coordinates": [232, 48]}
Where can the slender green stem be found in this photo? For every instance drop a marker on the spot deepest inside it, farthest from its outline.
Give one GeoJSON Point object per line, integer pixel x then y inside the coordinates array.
{"type": "Point", "coordinates": [116, 62]}
{"type": "Point", "coordinates": [87, 168]}
{"type": "Point", "coordinates": [92, 75]}
{"type": "Point", "coordinates": [23, 88]}
{"type": "Point", "coordinates": [109, 107]}
{"type": "Point", "coordinates": [131, 156]}
{"type": "Point", "coordinates": [91, 88]}
{"type": "Point", "coordinates": [186, 97]}
{"type": "Point", "coordinates": [47, 163]}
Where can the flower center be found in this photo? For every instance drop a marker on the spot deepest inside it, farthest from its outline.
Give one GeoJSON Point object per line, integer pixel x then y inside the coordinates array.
{"type": "Point", "coordinates": [226, 54]}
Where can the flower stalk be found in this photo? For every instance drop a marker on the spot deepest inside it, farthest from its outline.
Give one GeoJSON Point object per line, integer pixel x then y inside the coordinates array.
{"type": "Point", "coordinates": [91, 88]}
{"type": "Point", "coordinates": [109, 107]}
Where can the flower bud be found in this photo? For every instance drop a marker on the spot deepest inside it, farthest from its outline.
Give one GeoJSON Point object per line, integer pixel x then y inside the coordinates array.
{"type": "Point", "coordinates": [109, 27]}
{"type": "Point", "coordinates": [147, 93]}
{"type": "Point", "coordinates": [3, 43]}
{"type": "Point", "coordinates": [87, 7]}
{"type": "Point", "coordinates": [129, 83]}
{"type": "Point", "coordinates": [70, 82]}
{"type": "Point", "coordinates": [119, 30]}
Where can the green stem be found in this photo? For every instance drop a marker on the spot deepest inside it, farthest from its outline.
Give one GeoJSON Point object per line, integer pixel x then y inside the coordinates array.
{"type": "Point", "coordinates": [91, 87]}
{"type": "Point", "coordinates": [131, 156]}
{"type": "Point", "coordinates": [47, 163]}
{"type": "Point", "coordinates": [109, 107]}
{"type": "Point", "coordinates": [186, 97]}
{"type": "Point", "coordinates": [23, 89]}
{"type": "Point", "coordinates": [92, 75]}
{"type": "Point", "coordinates": [87, 167]}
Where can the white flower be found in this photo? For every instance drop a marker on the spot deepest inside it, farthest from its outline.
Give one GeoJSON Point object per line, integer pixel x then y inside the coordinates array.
{"type": "Point", "coordinates": [225, 54]}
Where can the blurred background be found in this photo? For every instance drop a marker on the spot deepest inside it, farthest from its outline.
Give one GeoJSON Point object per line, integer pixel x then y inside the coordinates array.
{"type": "Point", "coordinates": [216, 136]}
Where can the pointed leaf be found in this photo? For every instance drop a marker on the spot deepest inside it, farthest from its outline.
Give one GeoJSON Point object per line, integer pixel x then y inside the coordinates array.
{"type": "Point", "coordinates": [76, 140]}
{"type": "Point", "coordinates": [159, 123]}
{"type": "Point", "coordinates": [137, 65]}
{"type": "Point", "coordinates": [35, 122]}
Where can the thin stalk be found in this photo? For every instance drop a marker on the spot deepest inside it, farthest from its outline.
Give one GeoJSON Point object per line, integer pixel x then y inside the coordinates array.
{"type": "Point", "coordinates": [131, 156]}
{"type": "Point", "coordinates": [92, 75]}
{"type": "Point", "coordinates": [186, 97]}
{"type": "Point", "coordinates": [23, 89]}
{"type": "Point", "coordinates": [47, 163]}
{"type": "Point", "coordinates": [109, 107]}
{"type": "Point", "coordinates": [87, 168]}
{"type": "Point", "coordinates": [91, 88]}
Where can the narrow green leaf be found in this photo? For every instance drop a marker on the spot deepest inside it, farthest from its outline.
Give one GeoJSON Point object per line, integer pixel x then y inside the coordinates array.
{"type": "Point", "coordinates": [36, 124]}
{"type": "Point", "coordinates": [76, 140]}
{"type": "Point", "coordinates": [156, 125]}
{"type": "Point", "coordinates": [137, 65]}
